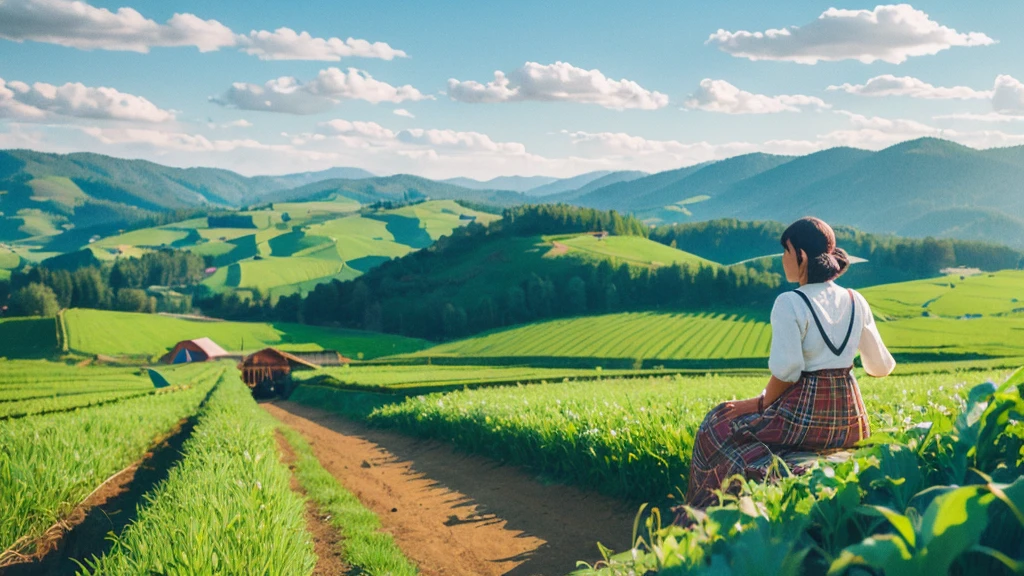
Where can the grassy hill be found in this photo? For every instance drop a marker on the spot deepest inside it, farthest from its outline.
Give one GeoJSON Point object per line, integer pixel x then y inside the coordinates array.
{"type": "Point", "coordinates": [291, 247]}
{"type": "Point", "coordinates": [123, 333]}
{"type": "Point", "coordinates": [634, 250]}
{"type": "Point", "coordinates": [395, 188]}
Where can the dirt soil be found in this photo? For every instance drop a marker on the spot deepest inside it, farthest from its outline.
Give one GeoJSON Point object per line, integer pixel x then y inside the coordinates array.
{"type": "Point", "coordinates": [459, 514]}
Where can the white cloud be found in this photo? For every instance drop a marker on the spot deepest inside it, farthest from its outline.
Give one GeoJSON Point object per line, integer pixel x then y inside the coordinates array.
{"type": "Point", "coordinates": [890, 33]}
{"type": "Point", "coordinates": [359, 85]}
{"type": "Point", "coordinates": [721, 96]}
{"type": "Point", "coordinates": [403, 112]}
{"type": "Point", "coordinates": [286, 44]}
{"type": "Point", "coordinates": [79, 25]}
{"type": "Point", "coordinates": [455, 140]}
{"type": "Point", "coordinates": [40, 100]}
{"type": "Point", "coordinates": [288, 95]}
{"type": "Point", "coordinates": [370, 130]}
{"type": "Point", "coordinates": [558, 82]}
{"type": "Point", "coordinates": [889, 85]}
{"type": "Point", "coordinates": [1008, 95]}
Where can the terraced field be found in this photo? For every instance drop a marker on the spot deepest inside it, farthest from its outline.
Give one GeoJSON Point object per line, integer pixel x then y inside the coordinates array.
{"type": "Point", "coordinates": [149, 335]}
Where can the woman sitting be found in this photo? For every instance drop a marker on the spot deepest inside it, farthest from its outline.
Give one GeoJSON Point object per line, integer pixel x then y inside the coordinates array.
{"type": "Point", "coordinates": [812, 401]}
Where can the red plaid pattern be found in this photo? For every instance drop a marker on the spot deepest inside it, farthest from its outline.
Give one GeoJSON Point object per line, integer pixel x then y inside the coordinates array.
{"type": "Point", "coordinates": [821, 411]}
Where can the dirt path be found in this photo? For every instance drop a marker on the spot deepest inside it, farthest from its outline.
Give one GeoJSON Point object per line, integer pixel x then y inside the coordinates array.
{"type": "Point", "coordinates": [458, 514]}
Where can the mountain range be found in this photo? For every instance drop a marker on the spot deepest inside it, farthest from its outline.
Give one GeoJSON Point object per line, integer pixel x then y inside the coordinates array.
{"type": "Point", "coordinates": [916, 188]}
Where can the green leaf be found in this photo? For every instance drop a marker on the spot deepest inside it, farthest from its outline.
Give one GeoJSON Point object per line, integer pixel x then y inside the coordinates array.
{"type": "Point", "coordinates": [952, 525]}
{"type": "Point", "coordinates": [886, 551]}
{"type": "Point", "coordinates": [904, 527]}
{"type": "Point", "coordinates": [1015, 379]}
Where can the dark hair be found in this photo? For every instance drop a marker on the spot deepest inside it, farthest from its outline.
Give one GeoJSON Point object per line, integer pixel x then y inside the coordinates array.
{"type": "Point", "coordinates": [815, 237]}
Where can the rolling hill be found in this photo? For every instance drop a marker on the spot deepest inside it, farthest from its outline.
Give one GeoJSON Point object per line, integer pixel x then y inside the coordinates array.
{"type": "Point", "coordinates": [291, 247]}
{"type": "Point", "coordinates": [395, 188]}
{"type": "Point", "coordinates": [928, 187]}
{"type": "Point", "coordinates": [511, 183]}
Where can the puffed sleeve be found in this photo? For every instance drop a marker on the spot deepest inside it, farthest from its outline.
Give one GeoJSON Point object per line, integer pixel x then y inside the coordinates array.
{"type": "Point", "coordinates": [786, 359]}
{"type": "Point", "coordinates": [875, 357]}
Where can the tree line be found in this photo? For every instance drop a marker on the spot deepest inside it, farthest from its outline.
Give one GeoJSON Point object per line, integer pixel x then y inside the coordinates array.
{"type": "Point", "coordinates": [40, 291]}
{"type": "Point", "coordinates": [729, 240]}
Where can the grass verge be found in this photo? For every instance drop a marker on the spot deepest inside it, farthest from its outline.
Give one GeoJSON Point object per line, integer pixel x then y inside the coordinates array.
{"type": "Point", "coordinates": [364, 546]}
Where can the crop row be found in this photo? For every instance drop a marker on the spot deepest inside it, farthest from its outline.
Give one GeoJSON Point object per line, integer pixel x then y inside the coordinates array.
{"type": "Point", "coordinates": [630, 438]}
{"type": "Point", "coordinates": [626, 335]}
{"type": "Point", "coordinates": [47, 405]}
{"type": "Point", "coordinates": [226, 508]}
{"type": "Point", "coordinates": [49, 464]}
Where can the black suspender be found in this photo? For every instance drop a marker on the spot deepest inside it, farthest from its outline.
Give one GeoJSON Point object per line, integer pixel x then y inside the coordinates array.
{"type": "Point", "coordinates": [849, 330]}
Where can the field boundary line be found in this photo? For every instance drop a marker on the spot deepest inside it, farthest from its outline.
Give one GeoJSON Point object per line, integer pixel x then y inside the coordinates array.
{"type": "Point", "coordinates": [96, 405]}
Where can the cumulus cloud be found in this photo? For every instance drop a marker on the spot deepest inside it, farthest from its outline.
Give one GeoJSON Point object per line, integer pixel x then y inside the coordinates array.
{"type": "Point", "coordinates": [370, 130]}
{"type": "Point", "coordinates": [331, 86]}
{"type": "Point", "coordinates": [721, 96]}
{"type": "Point", "coordinates": [890, 33]}
{"type": "Point", "coordinates": [455, 140]}
{"type": "Point", "coordinates": [889, 85]}
{"type": "Point", "coordinates": [558, 82]}
{"type": "Point", "coordinates": [403, 112]}
{"type": "Point", "coordinates": [1008, 95]}
{"type": "Point", "coordinates": [286, 44]}
{"type": "Point", "coordinates": [40, 100]}
{"type": "Point", "coordinates": [77, 24]}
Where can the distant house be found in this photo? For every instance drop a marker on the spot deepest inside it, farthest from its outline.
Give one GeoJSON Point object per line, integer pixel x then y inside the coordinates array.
{"type": "Point", "coordinates": [198, 350]}
{"type": "Point", "coordinates": [269, 371]}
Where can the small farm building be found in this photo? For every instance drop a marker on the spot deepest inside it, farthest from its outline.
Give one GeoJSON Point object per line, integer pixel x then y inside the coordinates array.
{"type": "Point", "coordinates": [270, 369]}
{"type": "Point", "coordinates": [198, 350]}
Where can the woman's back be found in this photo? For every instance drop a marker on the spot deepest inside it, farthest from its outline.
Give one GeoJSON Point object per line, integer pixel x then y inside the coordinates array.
{"type": "Point", "coordinates": [799, 346]}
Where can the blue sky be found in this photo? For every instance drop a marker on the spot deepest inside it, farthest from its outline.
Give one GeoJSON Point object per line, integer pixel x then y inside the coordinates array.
{"type": "Point", "coordinates": [590, 86]}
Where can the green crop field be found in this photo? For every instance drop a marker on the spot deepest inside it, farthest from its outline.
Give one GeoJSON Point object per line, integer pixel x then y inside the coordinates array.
{"type": "Point", "coordinates": [27, 337]}
{"type": "Point", "coordinates": [956, 332]}
{"type": "Point", "coordinates": [995, 294]}
{"type": "Point", "coordinates": [270, 272]}
{"type": "Point", "coordinates": [627, 249]}
{"type": "Point", "coordinates": [124, 333]}
{"type": "Point", "coordinates": [227, 505]}
{"type": "Point", "coordinates": [44, 480]}
{"type": "Point", "coordinates": [631, 437]}
{"type": "Point", "coordinates": [626, 335]}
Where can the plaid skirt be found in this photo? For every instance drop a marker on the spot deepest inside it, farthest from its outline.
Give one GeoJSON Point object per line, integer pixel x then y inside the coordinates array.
{"type": "Point", "coordinates": [821, 411]}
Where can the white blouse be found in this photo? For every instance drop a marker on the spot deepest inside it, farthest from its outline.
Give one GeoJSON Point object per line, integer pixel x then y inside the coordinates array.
{"type": "Point", "coordinates": [797, 344]}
